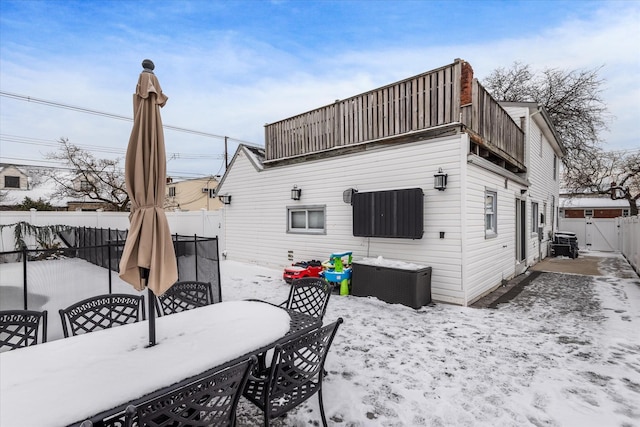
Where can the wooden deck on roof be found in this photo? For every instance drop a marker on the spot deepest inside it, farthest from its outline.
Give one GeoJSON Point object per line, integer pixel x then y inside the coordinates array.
{"type": "Point", "coordinates": [437, 98]}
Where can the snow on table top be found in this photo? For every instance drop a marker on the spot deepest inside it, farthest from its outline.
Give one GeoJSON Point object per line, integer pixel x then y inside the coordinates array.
{"type": "Point", "coordinates": [75, 378]}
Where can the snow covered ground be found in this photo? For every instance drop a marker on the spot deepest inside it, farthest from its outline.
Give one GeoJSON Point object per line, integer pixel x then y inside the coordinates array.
{"type": "Point", "coordinates": [564, 352]}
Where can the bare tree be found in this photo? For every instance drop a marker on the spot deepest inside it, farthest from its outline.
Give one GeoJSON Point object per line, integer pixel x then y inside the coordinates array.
{"type": "Point", "coordinates": [616, 174]}
{"type": "Point", "coordinates": [578, 113]}
{"type": "Point", "coordinates": [100, 180]}
{"type": "Point", "coordinates": [572, 99]}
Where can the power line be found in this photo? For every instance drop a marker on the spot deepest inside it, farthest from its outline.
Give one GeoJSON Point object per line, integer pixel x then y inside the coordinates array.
{"type": "Point", "coordinates": [59, 165]}
{"type": "Point", "coordinates": [97, 148]}
{"type": "Point", "coordinates": [111, 115]}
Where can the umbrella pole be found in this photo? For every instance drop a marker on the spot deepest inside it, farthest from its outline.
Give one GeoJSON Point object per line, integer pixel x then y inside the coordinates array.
{"type": "Point", "coordinates": [152, 318]}
{"type": "Point", "coordinates": [144, 275]}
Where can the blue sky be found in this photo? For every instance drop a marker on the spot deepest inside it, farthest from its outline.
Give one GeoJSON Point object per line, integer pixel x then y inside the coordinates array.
{"type": "Point", "coordinates": [230, 67]}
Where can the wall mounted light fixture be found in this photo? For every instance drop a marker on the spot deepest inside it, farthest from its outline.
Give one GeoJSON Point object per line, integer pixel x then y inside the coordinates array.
{"type": "Point", "coordinates": [440, 180]}
{"type": "Point", "coordinates": [226, 199]}
{"type": "Point", "coordinates": [347, 195]}
{"type": "Point", "coordinates": [296, 193]}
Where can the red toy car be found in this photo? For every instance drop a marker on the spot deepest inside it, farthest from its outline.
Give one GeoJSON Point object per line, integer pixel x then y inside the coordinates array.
{"type": "Point", "coordinates": [302, 269]}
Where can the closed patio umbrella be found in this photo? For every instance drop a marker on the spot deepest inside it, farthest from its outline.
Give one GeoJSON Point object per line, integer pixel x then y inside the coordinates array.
{"type": "Point", "coordinates": [148, 259]}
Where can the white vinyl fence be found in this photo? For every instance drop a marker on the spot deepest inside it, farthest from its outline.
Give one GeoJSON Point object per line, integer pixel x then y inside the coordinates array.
{"type": "Point", "coordinates": [596, 234]}
{"type": "Point", "coordinates": [202, 223]}
{"type": "Point", "coordinates": [620, 234]}
{"type": "Point", "coordinates": [630, 240]}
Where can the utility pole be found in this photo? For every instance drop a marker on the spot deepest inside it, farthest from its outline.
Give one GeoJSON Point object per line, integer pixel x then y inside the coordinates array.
{"type": "Point", "coordinates": [226, 155]}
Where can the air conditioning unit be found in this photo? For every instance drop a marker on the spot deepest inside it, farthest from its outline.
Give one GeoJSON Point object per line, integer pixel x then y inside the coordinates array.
{"type": "Point", "coordinates": [205, 190]}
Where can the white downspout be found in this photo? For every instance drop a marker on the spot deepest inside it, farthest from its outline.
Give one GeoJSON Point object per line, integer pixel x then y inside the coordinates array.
{"type": "Point", "coordinates": [464, 149]}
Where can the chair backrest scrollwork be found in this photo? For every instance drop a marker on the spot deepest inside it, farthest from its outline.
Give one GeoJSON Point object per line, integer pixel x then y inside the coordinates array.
{"type": "Point", "coordinates": [19, 328]}
{"type": "Point", "coordinates": [309, 295]}
{"type": "Point", "coordinates": [184, 296]}
{"type": "Point", "coordinates": [101, 312]}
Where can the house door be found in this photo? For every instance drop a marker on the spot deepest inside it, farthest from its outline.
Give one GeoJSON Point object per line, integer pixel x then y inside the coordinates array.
{"type": "Point", "coordinates": [521, 233]}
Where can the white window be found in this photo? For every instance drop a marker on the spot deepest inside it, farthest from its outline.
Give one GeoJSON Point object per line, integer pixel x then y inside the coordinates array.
{"type": "Point", "coordinates": [588, 213]}
{"type": "Point", "coordinates": [306, 220]}
{"type": "Point", "coordinates": [625, 212]}
{"type": "Point", "coordinates": [534, 217]}
{"type": "Point", "coordinates": [555, 167]}
{"type": "Point", "coordinates": [172, 191]}
{"type": "Point", "coordinates": [543, 219]}
{"type": "Point", "coordinates": [490, 213]}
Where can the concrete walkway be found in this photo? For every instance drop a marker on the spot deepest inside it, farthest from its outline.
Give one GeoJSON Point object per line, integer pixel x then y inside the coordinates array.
{"type": "Point", "coordinates": [587, 264]}
{"type": "Point", "coordinates": [590, 264]}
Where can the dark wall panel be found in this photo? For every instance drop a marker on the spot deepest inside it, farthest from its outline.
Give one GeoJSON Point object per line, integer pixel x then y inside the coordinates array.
{"type": "Point", "coordinates": [392, 213]}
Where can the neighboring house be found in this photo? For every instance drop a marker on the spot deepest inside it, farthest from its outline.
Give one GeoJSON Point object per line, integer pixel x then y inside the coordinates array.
{"type": "Point", "coordinates": [590, 206]}
{"type": "Point", "coordinates": [13, 178]}
{"type": "Point", "coordinates": [193, 194]}
{"type": "Point", "coordinates": [429, 170]}
{"type": "Point", "coordinates": [20, 181]}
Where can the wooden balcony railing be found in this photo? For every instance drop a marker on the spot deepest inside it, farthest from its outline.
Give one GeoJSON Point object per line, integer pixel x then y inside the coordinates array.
{"type": "Point", "coordinates": [492, 127]}
{"type": "Point", "coordinates": [418, 103]}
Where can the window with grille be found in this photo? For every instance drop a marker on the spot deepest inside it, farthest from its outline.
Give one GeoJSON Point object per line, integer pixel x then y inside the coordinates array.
{"type": "Point", "coordinates": [490, 213]}
{"type": "Point", "coordinates": [534, 217]}
{"type": "Point", "coordinates": [172, 191]}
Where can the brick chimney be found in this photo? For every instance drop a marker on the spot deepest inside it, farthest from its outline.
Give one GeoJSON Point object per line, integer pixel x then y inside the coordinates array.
{"type": "Point", "coordinates": [466, 80]}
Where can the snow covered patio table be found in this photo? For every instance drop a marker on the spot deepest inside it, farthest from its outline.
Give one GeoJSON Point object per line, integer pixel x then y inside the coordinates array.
{"type": "Point", "coordinates": [65, 381]}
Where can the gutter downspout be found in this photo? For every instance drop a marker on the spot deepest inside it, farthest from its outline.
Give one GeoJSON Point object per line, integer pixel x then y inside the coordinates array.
{"type": "Point", "coordinates": [464, 148]}
{"type": "Point", "coordinates": [538, 239]}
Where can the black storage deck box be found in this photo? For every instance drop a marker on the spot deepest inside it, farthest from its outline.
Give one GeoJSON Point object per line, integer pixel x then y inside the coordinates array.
{"type": "Point", "coordinates": [410, 287]}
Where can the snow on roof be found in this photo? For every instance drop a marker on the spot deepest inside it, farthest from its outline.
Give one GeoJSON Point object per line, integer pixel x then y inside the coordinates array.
{"type": "Point", "coordinates": [593, 202]}
{"type": "Point", "coordinates": [40, 188]}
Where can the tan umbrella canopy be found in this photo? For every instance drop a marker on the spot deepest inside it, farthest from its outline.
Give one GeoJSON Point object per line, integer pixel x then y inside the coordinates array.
{"type": "Point", "coordinates": [148, 248]}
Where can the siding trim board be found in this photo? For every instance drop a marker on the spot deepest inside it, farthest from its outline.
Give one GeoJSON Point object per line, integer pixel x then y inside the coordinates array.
{"type": "Point", "coordinates": [485, 164]}
{"type": "Point", "coordinates": [406, 138]}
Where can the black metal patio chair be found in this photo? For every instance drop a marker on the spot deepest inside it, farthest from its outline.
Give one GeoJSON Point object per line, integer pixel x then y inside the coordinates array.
{"type": "Point", "coordinates": [184, 296]}
{"type": "Point", "coordinates": [101, 312]}
{"type": "Point", "coordinates": [309, 295]}
{"type": "Point", "coordinates": [19, 328]}
{"type": "Point", "coordinates": [294, 376]}
{"type": "Point", "coordinates": [207, 401]}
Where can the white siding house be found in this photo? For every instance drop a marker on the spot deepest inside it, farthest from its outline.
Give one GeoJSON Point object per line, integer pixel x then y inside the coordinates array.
{"type": "Point", "coordinates": [476, 233]}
